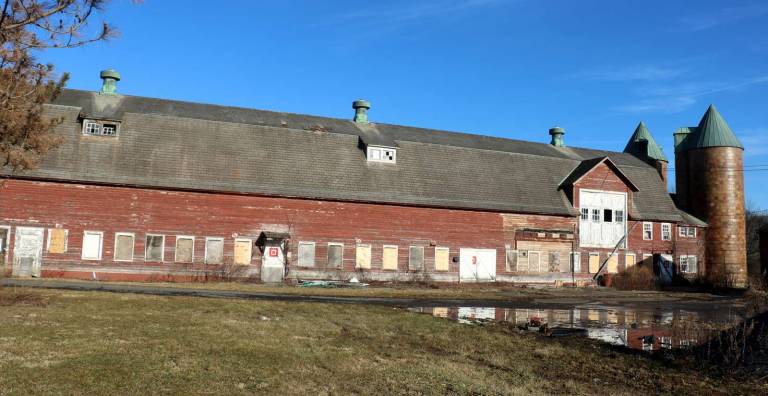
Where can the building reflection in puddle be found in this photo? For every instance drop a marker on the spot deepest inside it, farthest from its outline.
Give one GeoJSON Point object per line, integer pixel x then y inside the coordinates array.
{"type": "Point", "coordinates": [647, 330]}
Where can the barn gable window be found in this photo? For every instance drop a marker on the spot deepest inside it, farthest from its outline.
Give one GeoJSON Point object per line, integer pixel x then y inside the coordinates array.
{"type": "Point", "coordinates": [585, 214]}
{"type": "Point", "coordinates": [100, 128]}
{"type": "Point", "coordinates": [382, 154]}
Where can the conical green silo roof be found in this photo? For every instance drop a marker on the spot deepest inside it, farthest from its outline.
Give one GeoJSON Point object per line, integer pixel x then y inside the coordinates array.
{"type": "Point", "coordinates": [643, 145]}
{"type": "Point", "coordinates": [712, 131]}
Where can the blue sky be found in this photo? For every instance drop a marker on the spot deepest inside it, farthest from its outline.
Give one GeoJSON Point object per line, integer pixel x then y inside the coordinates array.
{"type": "Point", "coordinates": [510, 68]}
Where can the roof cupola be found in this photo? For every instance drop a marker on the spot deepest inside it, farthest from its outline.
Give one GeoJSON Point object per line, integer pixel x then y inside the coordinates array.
{"type": "Point", "coordinates": [109, 78]}
{"type": "Point", "coordinates": [361, 111]}
{"type": "Point", "coordinates": [557, 136]}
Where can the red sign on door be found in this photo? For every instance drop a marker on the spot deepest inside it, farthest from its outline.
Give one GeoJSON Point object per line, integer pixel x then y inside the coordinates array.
{"type": "Point", "coordinates": [273, 252]}
{"type": "Point", "coordinates": [474, 260]}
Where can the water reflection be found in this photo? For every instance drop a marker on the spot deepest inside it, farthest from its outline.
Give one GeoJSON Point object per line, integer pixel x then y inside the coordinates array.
{"type": "Point", "coordinates": [637, 328]}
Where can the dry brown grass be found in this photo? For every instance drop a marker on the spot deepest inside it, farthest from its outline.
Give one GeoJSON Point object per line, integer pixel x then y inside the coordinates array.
{"type": "Point", "coordinates": [635, 278]}
{"type": "Point", "coordinates": [104, 343]}
{"type": "Point", "coordinates": [22, 297]}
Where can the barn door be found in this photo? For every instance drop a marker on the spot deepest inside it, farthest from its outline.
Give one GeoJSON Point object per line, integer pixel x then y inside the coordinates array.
{"type": "Point", "coordinates": [28, 251]}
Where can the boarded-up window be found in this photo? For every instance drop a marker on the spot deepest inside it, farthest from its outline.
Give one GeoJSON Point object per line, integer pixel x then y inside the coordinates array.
{"type": "Point", "coordinates": [522, 260]}
{"type": "Point", "coordinates": [416, 258]}
{"type": "Point", "coordinates": [594, 263]}
{"type": "Point", "coordinates": [389, 257]}
{"type": "Point", "coordinates": [441, 259]}
{"type": "Point", "coordinates": [214, 250]}
{"type": "Point", "coordinates": [554, 262]}
{"type": "Point", "coordinates": [363, 256]}
{"type": "Point", "coordinates": [57, 240]}
{"type": "Point", "coordinates": [154, 248]}
{"type": "Point", "coordinates": [613, 264]}
{"type": "Point", "coordinates": [92, 245]}
{"type": "Point", "coordinates": [576, 262]}
{"type": "Point", "coordinates": [534, 262]}
{"type": "Point", "coordinates": [511, 260]}
{"type": "Point", "coordinates": [124, 246]}
{"type": "Point", "coordinates": [630, 260]}
{"type": "Point", "coordinates": [243, 251]}
{"type": "Point", "coordinates": [335, 254]}
{"type": "Point", "coordinates": [185, 248]}
{"type": "Point", "coordinates": [306, 254]}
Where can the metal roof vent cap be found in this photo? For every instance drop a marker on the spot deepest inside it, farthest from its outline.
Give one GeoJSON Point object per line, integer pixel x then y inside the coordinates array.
{"type": "Point", "coordinates": [557, 136]}
{"type": "Point", "coordinates": [361, 111]}
{"type": "Point", "coordinates": [109, 78]}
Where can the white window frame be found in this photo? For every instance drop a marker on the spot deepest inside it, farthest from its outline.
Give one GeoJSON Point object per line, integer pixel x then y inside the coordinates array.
{"type": "Point", "coordinates": [381, 150]}
{"type": "Point", "coordinates": [146, 248]}
{"type": "Point", "coordinates": [133, 245]}
{"type": "Point", "coordinates": [575, 262]}
{"type": "Point", "coordinates": [694, 232]}
{"type": "Point", "coordinates": [48, 238]}
{"type": "Point", "coordinates": [176, 248]}
{"type": "Point", "coordinates": [298, 253]}
{"type": "Point", "coordinates": [649, 224]}
{"type": "Point", "coordinates": [328, 255]}
{"type": "Point", "coordinates": [668, 235]}
{"type": "Point", "coordinates": [682, 232]}
{"type": "Point", "coordinates": [597, 216]}
{"type": "Point", "coordinates": [7, 241]}
{"type": "Point", "coordinates": [101, 245]}
{"type": "Point", "coordinates": [234, 247]}
{"type": "Point", "coordinates": [98, 129]}
{"type": "Point", "coordinates": [205, 255]}
{"type": "Point", "coordinates": [687, 258]}
{"type": "Point", "coordinates": [423, 258]}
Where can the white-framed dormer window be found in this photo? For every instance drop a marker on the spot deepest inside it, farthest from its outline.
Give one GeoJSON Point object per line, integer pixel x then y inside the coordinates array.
{"type": "Point", "coordinates": [666, 232]}
{"type": "Point", "coordinates": [100, 128]}
{"type": "Point", "coordinates": [382, 154]}
{"type": "Point", "coordinates": [647, 231]}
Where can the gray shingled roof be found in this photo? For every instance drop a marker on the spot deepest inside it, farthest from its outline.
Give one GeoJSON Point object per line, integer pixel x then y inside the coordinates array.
{"type": "Point", "coordinates": [182, 145]}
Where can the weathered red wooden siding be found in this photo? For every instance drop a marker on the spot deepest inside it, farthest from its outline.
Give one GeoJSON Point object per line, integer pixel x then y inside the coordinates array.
{"type": "Point", "coordinates": [116, 209]}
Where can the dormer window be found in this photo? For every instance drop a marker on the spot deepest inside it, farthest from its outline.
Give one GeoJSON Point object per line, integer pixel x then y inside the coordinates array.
{"type": "Point", "coordinates": [382, 154]}
{"type": "Point", "coordinates": [100, 128]}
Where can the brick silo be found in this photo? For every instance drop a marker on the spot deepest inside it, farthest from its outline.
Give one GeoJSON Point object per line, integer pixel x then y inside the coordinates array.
{"type": "Point", "coordinates": [710, 184]}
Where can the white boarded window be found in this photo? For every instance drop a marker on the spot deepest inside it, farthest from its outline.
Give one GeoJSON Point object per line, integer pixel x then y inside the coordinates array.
{"type": "Point", "coordinates": [124, 242]}
{"type": "Point", "coordinates": [534, 262]}
{"type": "Point", "coordinates": [576, 261]}
{"type": "Point", "coordinates": [442, 259]}
{"type": "Point", "coordinates": [335, 254]}
{"type": "Point", "coordinates": [416, 258]}
{"type": "Point", "coordinates": [647, 231]}
{"type": "Point", "coordinates": [363, 256]}
{"type": "Point", "coordinates": [522, 260]}
{"type": "Point", "coordinates": [154, 249]}
{"type": "Point", "coordinates": [185, 249]}
{"type": "Point", "coordinates": [389, 257]}
{"type": "Point", "coordinates": [214, 250]}
{"type": "Point", "coordinates": [306, 254]}
{"type": "Point", "coordinates": [92, 243]}
{"type": "Point", "coordinates": [666, 232]}
{"type": "Point", "coordinates": [243, 251]}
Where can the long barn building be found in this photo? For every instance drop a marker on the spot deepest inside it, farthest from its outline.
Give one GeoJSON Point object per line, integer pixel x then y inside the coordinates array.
{"type": "Point", "coordinates": [151, 189]}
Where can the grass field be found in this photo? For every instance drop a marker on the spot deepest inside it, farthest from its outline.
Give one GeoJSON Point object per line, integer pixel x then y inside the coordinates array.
{"type": "Point", "coordinates": [57, 342]}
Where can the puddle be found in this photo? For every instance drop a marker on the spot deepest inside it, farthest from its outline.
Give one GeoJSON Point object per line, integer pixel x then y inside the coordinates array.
{"type": "Point", "coordinates": [647, 329]}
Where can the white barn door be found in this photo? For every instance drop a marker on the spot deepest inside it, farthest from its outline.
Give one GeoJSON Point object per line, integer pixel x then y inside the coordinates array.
{"type": "Point", "coordinates": [477, 265]}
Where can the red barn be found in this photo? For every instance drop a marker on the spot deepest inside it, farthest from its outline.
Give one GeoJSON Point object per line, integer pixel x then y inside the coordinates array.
{"type": "Point", "coordinates": [153, 189]}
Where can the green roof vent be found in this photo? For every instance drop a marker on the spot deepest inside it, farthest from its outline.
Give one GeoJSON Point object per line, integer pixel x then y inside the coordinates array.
{"type": "Point", "coordinates": [557, 136]}
{"type": "Point", "coordinates": [109, 78]}
{"type": "Point", "coordinates": [361, 111]}
{"type": "Point", "coordinates": [712, 131]}
{"type": "Point", "coordinates": [643, 145]}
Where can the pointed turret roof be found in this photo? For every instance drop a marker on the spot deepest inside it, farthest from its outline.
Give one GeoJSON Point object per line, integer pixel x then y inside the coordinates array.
{"type": "Point", "coordinates": [643, 145]}
{"type": "Point", "coordinates": [712, 131]}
